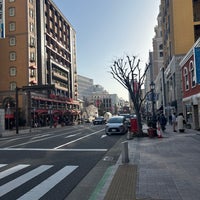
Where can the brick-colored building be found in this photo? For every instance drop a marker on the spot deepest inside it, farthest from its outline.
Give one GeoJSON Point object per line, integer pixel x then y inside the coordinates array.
{"type": "Point", "coordinates": [180, 30]}
{"type": "Point", "coordinates": [190, 69]}
{"type": "Point", "coordinates": [39, 48]}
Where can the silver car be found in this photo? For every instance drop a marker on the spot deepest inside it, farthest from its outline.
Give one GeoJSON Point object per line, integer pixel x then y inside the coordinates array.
{"type": "Point", "coordinates": [116, 125]}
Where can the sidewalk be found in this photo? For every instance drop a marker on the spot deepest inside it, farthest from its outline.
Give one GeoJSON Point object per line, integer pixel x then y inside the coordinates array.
{"type": "Point", "coordinates": [166, 168]}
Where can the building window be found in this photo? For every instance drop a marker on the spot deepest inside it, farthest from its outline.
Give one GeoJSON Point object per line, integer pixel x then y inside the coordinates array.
{"type": "Point", "coordinates": [12, 41]}
{"type": "Point", "coordinates": [32, 27]}
{"type": "Point", "coordinates": [161, 54]}
{"type": "Point", "coordinates": [186, 78]}
{"type": "Point", "coordinates": [32, 56]}
{"type": "Point", "coordinates": [32, 73]}
{"type": "Point", "coordinates": [13, 85]}
{"type": "Point", "coordinates": [161, 46]}
{"type": "Point", "coordinates": [12, 26]}
{"type": "Point", "coordinates": [11, 11]}
{"type": "Point", "coordinates": [31, 13]}
{"type": "Point", "coordinates": [12, 56]}
{"type": "Point", "coordinates": [32, 41]}
{"type": "Point", "coordinates": [13, 71]}
{"type": "Point", "coordinates": [192, 74]}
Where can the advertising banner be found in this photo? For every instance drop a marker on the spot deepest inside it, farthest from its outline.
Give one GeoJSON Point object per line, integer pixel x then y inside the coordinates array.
{"type": "Point", "coordinates": [2, 18]}
{"type": "Point", "coordinates": [197, 63]}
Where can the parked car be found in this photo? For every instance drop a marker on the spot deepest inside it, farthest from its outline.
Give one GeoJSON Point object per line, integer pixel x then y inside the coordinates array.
{"type": "Point", "coordinates": [99, 120]}
{"type": "Point", "coordinates": [116, 125]}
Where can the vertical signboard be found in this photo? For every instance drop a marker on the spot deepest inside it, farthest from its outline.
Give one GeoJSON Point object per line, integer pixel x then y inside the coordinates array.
{"type": "Point", "coordinates": [197, 63]}
{"type": "Point", "coordinates": [2, 18]}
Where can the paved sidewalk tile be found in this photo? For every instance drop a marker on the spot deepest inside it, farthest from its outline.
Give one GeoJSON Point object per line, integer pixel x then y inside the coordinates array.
{"type": "Point", "coordinates": [169, 167]}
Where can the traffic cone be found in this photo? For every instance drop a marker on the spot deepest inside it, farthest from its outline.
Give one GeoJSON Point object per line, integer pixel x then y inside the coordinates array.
{"type": "Point", "coordinates": [159, 131]}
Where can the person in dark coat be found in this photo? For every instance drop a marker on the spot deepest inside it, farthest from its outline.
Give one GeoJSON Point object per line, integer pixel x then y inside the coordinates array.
{"type": "Point", "coordinates": [162, 121]}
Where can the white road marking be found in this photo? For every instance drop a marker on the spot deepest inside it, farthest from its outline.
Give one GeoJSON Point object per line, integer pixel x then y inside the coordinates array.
{"type": "Point", "coordinates": [12, 170]}
{"type": "Point", "coordinates": [41, 189]}
{"type": "Point", "coordinates": [39, 139]}
{"type": "Point", "coordinates": [73, 141]}
{"type": "Point", "coordinates": [40, 136]}
{"type": "Point", "coordinates": [103, 136]}
{"type": "Point", "coordinates": [4, 189]}
{"type": "Point", "coordinates": [39, 149]}
{"type": "Point", "coordinates": [2, 165]}
{"type": "Point", "coordinates": [69, 136]}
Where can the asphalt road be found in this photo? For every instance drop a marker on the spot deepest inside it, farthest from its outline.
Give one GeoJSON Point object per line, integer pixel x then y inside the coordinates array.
{"type": "Point", "coordinates": [50, 164]}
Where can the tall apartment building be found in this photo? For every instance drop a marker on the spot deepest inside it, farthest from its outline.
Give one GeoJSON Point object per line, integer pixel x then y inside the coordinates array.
{"type": "Point", "coordinates": [157, 60]}
{"type": "Point", "coordinates": [39, 48]}
{"type": "Point", "coordinates": [180, 30]}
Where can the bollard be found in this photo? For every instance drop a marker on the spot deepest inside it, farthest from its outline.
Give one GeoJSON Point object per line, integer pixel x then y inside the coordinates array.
{"type": "Point", "coordinates": [125, 157]}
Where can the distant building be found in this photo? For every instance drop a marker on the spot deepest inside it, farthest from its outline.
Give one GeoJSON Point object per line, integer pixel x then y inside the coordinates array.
{"type": "Point", "coordinates": [158, 68]}
{"type": "Point", "coordinates": [95, 94]}
{"type": "Point", "coordinates": [85, 87]}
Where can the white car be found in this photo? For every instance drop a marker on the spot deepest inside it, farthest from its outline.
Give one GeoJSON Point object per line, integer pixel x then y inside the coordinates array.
{"type": "Point", "coordinates": [116, 125]}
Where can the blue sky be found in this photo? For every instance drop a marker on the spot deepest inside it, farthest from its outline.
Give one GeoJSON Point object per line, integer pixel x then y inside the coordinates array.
{"type": "Point", "coordinates": [107, 30]}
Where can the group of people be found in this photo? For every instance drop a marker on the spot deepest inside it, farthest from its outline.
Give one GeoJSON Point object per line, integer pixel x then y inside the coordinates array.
{"type": "Point", "coordinates": [177, 122]}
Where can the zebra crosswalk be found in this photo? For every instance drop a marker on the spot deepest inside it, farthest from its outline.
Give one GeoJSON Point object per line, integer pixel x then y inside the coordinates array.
{"type": "Point", "coordinates": [41, 188]}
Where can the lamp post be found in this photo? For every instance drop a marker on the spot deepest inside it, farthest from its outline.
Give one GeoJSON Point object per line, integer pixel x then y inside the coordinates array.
{"type": "Point", "coordinates": [152, 86]}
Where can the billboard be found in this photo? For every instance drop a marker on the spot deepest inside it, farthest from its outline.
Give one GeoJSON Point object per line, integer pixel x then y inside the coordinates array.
{"type": "Point", "coordinates": [2, 18]}
{"type": "Point", "coordinates": [197, 63]}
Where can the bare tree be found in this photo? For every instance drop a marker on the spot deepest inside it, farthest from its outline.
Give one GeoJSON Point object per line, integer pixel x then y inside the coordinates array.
{"type": "Point", "coordinates": [128, 73]}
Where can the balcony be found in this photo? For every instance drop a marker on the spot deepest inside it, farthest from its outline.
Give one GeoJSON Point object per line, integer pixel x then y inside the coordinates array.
{"type": "Point", "coordinates": [58, 86]}
{"type": "Point", "coordinates": [56, 74]}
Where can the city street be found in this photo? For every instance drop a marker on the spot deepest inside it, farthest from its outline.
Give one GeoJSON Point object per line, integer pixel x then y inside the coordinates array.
{"type": "Point", "coordinates": [50, 164]}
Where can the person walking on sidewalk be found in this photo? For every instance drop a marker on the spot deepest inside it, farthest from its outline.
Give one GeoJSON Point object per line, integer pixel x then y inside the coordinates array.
{"type": "Point", "coordinates": [174, 121]}
{"type": "Point", "coordinates": [180, 122]}
{"type": "Point", "coordinates": [162, 121]}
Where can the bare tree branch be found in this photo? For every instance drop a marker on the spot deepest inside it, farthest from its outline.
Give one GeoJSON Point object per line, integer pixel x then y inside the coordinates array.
{"type": "Point", "coordinates": [128, 73]}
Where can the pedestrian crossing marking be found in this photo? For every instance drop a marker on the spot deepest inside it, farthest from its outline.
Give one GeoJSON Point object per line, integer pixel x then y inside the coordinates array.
{"type": "Point", "coordinates": [12, 170]}
{"type": "Point", "coordinates": [41, 189]}
{"type": "Point", "coordinates": [4, 189]}
{"type": "Point", "coordinates": [2, 165]}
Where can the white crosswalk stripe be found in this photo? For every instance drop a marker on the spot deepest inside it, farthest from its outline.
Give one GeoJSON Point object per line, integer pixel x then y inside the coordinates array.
{"type": "Point", "coordinates": [12, 170]}
{"type": "Point", "coordinates": [2, 165]}
{"type": "Point", "coordinates": [39, 190]}
{"type": "Point", "coordinates": [4, 189]}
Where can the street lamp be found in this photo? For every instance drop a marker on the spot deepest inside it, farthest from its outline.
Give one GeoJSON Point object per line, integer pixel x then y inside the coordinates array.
{"type": "Point", "coordinates": [152, 87]}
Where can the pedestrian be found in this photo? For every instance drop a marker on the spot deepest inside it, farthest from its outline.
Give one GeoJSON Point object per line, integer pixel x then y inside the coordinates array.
{"type": "Point", "coordinates": [170, 119]}
{"type": "Point", "coordinates": [174, 121]}
{"type": "Point", "coordinates": [180, 122]}
{"type": "Point", "coordinates": [162, 121]}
